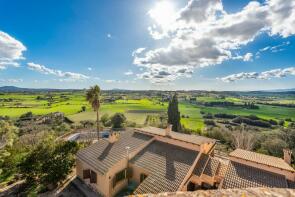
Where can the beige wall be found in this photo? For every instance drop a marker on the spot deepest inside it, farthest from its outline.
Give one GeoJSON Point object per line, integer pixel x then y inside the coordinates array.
{"type": "Point", "coordinates": [136, 171]}
{"type": "Point", "coordinates": [288, 174]}
{"type": "Point", "coordinates": [102, 182]}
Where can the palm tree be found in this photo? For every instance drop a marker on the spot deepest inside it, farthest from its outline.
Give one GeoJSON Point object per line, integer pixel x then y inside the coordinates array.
{"type": "Point", "coordinates": [93, 97]}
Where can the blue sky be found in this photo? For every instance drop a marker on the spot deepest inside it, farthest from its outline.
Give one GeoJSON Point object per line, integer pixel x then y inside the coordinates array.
{"type": "Point", "coordinates": [196, 44]}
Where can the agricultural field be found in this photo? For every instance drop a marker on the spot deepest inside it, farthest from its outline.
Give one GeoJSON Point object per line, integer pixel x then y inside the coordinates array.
{"type": "Point", "coordinates": [136, 110]}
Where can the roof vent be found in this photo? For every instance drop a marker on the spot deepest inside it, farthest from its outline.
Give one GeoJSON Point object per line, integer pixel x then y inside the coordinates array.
{"type": "Point", "coordinates": [168, 130]}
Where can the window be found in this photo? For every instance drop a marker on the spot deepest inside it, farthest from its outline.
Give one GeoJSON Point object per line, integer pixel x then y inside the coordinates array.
{"type": "Point", "coordinates": [119, 177]}
{"type": "Point", "coordinates": [142, 177]}
{"type": "Point", "coordinates": [93, 177]}
{"type": "Point", "coordinates": [86, 174]}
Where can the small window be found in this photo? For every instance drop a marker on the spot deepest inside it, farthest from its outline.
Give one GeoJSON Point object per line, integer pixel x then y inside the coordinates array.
{"type": "Point", "coordinates": [86, 174]}
{"type": "Point", "coordinates": [93, 177]}
{"type": "Point", "coordinates": [119, 177]}
{"type": "Point", "coordinates": [142, 177]}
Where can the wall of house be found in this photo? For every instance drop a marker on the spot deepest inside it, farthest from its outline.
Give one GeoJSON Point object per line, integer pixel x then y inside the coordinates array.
{"type": "Point", "coordinates": [102, 182]}
{"type": "Point", "coordinates": [288, 174]}
{"type": "Point", "coordinates": [119, 166]}
{"type": "Point", "coordinates": [136, 172]}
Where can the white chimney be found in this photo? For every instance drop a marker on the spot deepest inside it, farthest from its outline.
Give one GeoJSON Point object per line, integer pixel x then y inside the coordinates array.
{"type": "Point", "coordinates": [287, 155]}
{"type": "Point", "coordinates": [168, 130]}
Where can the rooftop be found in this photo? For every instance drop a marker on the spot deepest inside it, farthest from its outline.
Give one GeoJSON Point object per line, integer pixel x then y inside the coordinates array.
{"type": "Point", "coordinates": [261, 159]}
{"type": "Point", "coordinates": [103, 154]}
{"type": "Point", "coordinates": [194, 139]}
{"type": "Point", "coordinates": [166, 164]}
{"type": "Point", "coordinates": [243, 176]}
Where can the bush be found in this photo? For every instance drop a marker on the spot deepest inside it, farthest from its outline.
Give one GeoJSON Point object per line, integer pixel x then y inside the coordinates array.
{"type": "Point", "coordinates": [258, 123]}
{"type": "Point", "coordinates": [209, 122]}
{"type": "Point", "coordinates": [83, 108]}
{"type": "Point", "coordinates": [106, 120]}
{"type": "Point", "coordinates": [208, 116]}
{"type": "Point", "coordinates": [225, 116]}
{"type": "Point", "coordinates": [273, 122]}
{"type": "Point", "coordinates": [118, 120]}
{"type": "Point", "coordinates": [281, 122]}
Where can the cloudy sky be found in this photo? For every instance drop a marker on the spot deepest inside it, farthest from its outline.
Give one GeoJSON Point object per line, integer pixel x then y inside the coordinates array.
{"type": "Point", "coordinates": [148, 44]}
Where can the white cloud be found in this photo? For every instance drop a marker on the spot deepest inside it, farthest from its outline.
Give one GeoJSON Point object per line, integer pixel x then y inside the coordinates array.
{"type": "Point", "coordinates": [48, 71]}
{"type": "Point", "coordinates": [11, 50]}
{"type": "Point", "coordinates": [275, 73]}
{"type": "Point", "coordinates": [89, 68]}
{"type": "Point", "coordinates": [129, 72]}
{"type": "Point", "coordinates": [11, 80]}
{"type": "Point", "coordinates": [246, 58]}
{"type": "Point", "coordinates": [137, 51]}
{"type": "Point", "coordinates": [203, 34]}
{"type": "Point", "coordinates": [160, 74]}
{"type": "Point", "coordinates": [109, 35]}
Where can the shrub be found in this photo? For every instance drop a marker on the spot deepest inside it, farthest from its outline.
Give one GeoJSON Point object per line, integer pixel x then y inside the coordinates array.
{"type": "Point", "coordinates": [208, 116]}
{"type": "Point", "coordinates": [273, 122]}
{"type": "Point", "coordinates": [225, 116]}
{"type": "Point", "coordinates": [118, 120]}
{"type": "Point", "coordinates": [209, 122]}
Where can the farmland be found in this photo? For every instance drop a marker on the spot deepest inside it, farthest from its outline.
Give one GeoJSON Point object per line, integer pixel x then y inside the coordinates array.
{"type": "Point", "coordinates": [137, 109]}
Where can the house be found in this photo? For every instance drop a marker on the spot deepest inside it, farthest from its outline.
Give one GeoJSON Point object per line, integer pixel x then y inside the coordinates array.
{"type": "Point", "coordinates": [160, 160]}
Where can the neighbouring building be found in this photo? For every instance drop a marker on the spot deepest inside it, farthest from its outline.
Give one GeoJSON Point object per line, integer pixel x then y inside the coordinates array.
{"type": "Point", "coordinates": [160, 160]}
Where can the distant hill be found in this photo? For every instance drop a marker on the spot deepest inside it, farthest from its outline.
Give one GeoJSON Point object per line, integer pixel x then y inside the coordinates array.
{"type": "Point", "coordinates": [17, 89]}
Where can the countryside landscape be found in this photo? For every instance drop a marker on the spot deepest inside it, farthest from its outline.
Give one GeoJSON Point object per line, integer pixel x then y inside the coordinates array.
{"type": "Point", "coordinates": [147, 98]}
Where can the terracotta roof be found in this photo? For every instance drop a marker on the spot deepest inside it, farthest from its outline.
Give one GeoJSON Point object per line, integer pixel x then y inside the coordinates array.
{"type": "Point", "coordinates": [103, 155]}
{"type": "Point", "coordinates": [191, 138]}
{"type": "Point", "coordinates": [243, 176]}
{"type": "Point", "coordinates": [261, 159]}
{"type": "Point", "coordinates": [291, 184]}
{"type": "Point", "coordinates": [221, 171]}
{"type": "Point", "coordinates": [166, 164]}
{"type": "Point", "coordinates": [201, 164]}
{"type": "Point", "coordinates": [211, 167]}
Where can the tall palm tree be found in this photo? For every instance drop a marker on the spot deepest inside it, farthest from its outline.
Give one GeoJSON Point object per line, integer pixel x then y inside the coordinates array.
{"type": "Point", "coordinates": [93, 97]}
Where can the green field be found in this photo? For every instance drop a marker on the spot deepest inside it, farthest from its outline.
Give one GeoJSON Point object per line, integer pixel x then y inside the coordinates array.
{"type": "Point", "coordinates": [16, 104]}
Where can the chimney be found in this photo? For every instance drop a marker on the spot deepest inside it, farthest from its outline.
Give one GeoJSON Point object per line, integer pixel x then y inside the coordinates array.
{"type": "Point", "coordinates": [168, 130]}
{"type": "Point", "coordinates": [287, 155]}
{"type": "Point", "coordinates": [113, 137]}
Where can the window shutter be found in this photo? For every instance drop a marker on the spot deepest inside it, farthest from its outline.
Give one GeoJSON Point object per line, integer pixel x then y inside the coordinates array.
{"type": "Point", "coordinates": [93, 177]}
{"type": "Point", "coordinates": [86, 174]}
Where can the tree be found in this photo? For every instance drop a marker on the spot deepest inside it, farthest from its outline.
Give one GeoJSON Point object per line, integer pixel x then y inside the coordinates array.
{"type": "Point", "coordinates": [93, 97]}
{"type": "Point", "coordinates": [243, 139]}
{"type": "Point", "coordinates": [118, 120]}
{"type": "Point", "coordinates": [106, 120]}
{"type": "Point", "coordinates": [174, 114]}
{"type": "Point", "coordinates": [49, 163]}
